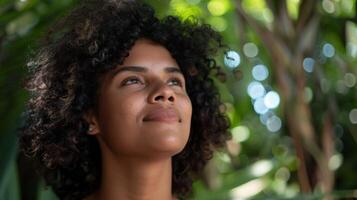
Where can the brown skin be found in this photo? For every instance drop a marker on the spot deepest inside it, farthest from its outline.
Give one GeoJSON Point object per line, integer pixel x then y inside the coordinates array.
{"type": "Point", "coordinates": [137, 141]}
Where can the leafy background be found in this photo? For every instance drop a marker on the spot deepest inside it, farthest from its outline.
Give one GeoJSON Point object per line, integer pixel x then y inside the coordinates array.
{"type": "Point", "coordinates": [289, 84]}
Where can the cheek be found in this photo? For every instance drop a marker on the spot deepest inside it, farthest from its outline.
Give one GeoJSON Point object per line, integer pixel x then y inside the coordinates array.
{"type": "Point", "coordinates": [186, 107]}
{"type": "Point", "coordinates": [116, 111]}
{"type": "Point", "coordinates": [118, 122]}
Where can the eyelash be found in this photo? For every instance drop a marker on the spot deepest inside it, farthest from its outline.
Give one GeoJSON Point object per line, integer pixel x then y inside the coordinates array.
{"type": "Point", "coordinates": [124, 83]}
{"type": "Point", "coordinates": [130, 79]}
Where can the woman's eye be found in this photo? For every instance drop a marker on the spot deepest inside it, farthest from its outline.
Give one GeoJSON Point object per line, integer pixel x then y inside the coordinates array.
{"type": "Point", "coordinates": [135, 80]}
{"type": "Point", "coordinates": [176, 81]}
{"type": "Point", "coordinates": [130, 81]}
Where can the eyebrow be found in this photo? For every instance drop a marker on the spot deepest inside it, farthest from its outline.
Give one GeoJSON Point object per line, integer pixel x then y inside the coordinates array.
{"type": "Point", "coordinates": [144, 70]}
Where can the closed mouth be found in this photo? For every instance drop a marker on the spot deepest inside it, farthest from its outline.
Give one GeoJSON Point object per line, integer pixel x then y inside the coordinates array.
{"type": "Point", "coordinates": [162, 115]}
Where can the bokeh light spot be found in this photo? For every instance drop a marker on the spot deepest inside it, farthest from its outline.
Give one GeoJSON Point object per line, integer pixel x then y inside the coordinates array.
{"type": "Point", "coordinates": [283, 174]}
{"type": "Point", "coordinates": [248, 189]}
{"type": "Point", "coordinates": [255, 90]}
{"type": "Point", "coordinates": [250, 49]}
{"type": "Point", "coordinates": [352, 49]}
{"type": "Point", "coordinates": [293, 8]}
{"type": "Point", "coordinates": [240, 133]}
{"type": "Point", "coordinates": [224, 157]}
{"type": "Point", "coordinates": [218, 7]}
{"type": "Point", "coordinates": [231, 59]}
{"type": "Point", "coordinates": [218, 23]}
{"type": "Point", "coordinates": [350, 80]}
{"type": "Point", "coordinates": [308, 64]}
{"type": "Point", "coordinates": [328, 6]}
{"type": "Point", "coordinates": [271, 100]}
{"type": "Point", "coordinates": [185, 10]}
{"type": "Point", "coordinates": [274, 124]}
{"type": "Point", "coordinates": [264, 117]}
{"type": "Point", "coordinates": [267, 15]}
{"type": "Point", "coordinates": [335, 161]}
{"type": "Point", "coordinates": [353, 116]}
{"type": "Point", "coordinates": [259, 106]}
{"type": "Point", "coordinates": [260, 72]}
{"type": "Point", "coordinates": [259, 10]}
{"type": "Point", "coordinates": [308, 94]}
{"type": "Point", "coordinates": [261, 167]}
{"type": "Point", "coordinates": [328, 50]}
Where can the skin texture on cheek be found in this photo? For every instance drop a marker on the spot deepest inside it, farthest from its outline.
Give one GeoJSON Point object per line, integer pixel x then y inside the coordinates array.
{"type": "Point", "coordinates": [122, 109]}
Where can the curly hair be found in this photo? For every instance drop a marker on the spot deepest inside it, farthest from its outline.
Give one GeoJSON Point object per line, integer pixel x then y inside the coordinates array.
{"type": "Point", "coordinates": [65, 74]}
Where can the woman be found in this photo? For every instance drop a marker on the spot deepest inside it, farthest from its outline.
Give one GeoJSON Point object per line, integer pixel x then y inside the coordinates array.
{"type": "Point", "coordinates": [122, 106]}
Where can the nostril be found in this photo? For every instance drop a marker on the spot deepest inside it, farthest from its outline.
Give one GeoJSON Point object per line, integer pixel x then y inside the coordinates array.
{"type": "Point", "coordinates": [171, 98]}
{"type": "Point", "coordinates": [158, 97]}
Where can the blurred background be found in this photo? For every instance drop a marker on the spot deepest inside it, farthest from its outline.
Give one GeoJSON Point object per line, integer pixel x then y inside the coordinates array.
{"type": "Point", "coordinates": [288, 82]}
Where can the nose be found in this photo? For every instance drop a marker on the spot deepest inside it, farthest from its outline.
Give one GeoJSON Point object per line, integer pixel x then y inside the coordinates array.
{"type": "Point", "coordinates": [162, 93]}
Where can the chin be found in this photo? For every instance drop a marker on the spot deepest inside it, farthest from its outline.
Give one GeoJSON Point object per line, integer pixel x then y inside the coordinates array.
{"type": "Point", "coordinates": [169, 145]}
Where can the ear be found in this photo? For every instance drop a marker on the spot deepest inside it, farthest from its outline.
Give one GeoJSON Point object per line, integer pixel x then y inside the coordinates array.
{"type": "Point", "coordinates": [92, 120]}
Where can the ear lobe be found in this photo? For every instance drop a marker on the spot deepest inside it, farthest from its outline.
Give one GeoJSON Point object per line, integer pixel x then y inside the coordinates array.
{"type": "Point", "coordinates": [91, 119]}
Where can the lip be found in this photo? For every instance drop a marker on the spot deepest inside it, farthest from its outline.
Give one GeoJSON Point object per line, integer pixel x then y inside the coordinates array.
{"type": "Point", "coordinates": [162, 115]}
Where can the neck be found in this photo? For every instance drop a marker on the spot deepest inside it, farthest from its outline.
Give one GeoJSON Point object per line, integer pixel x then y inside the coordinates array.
{"type": "Point", "coordinates": [135, 179]}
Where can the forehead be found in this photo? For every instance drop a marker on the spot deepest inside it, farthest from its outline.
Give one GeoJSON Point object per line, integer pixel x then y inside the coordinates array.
{"type": "Point", "coordinates": [147, 53]}
{"type": "Point", "coordinates": [146, 56]}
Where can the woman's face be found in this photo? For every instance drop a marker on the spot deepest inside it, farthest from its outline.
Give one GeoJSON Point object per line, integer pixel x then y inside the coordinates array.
{"type": "Point", "coordinates": [144, 109]}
